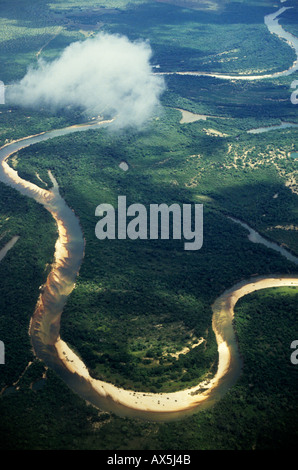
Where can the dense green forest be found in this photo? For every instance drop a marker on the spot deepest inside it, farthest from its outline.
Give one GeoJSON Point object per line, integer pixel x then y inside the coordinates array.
{"type": "Point", "coordinates": [176, 293]}
{"type": "Point", "coordinates": [137, 305]}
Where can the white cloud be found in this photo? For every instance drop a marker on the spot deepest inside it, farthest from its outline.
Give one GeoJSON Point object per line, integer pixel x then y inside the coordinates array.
{"type": "Point", "coordinates": [107, 73]}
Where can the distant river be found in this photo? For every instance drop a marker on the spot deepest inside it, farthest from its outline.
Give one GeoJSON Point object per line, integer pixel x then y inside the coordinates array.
{"type": "Point", "coordinates": [271, 21]}
{"type": "Point", "coordinates": [45, 323]}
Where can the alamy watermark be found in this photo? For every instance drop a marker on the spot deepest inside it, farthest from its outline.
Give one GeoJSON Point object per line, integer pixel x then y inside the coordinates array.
{"type": "Point", "coordinates": [187, 222]}
{"type": "Point", "coordinates": [2, 353]}
{"type": "Point", "coordinates": [294, 355]}
{"type": "Point", "coordinates": [294, 95]}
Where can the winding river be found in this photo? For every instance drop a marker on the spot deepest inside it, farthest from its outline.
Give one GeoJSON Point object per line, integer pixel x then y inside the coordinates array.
{"type": "Point", "coordinates": [44, 327]}
{"type": "Point", "coordinates": [45, 323]}
{"type": "Point", "coordinates": [271, 21]}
